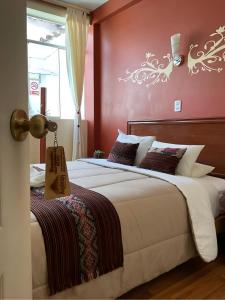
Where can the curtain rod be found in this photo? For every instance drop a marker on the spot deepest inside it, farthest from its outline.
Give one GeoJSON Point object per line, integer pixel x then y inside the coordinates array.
{"type": "Point", "coordinates": [66, 5]}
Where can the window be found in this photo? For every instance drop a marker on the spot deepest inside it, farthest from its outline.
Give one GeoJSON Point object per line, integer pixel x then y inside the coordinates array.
{"type": "Point", "coordinates": [47, 68]}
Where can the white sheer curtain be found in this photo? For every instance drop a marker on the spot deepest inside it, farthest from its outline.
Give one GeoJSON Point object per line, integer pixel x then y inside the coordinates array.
{"type": "Point", "coordinates": [77, 23]}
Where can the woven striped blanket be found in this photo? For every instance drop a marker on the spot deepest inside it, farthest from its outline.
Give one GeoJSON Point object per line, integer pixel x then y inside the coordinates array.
{"type": "Point", "coordinates": [82, 236]}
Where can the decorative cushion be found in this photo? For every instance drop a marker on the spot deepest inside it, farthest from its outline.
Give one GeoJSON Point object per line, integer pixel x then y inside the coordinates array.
{"type": "Point", "coordinates": [123, 153]}
{"type": "Point", "coordinates": [190, 156]}
{"type": "Point", "coordinates": [145, 143]}
{"type": "Point", "coordinates": [163, 160]}
{"type": "Point", "coordinates": [199, 170]}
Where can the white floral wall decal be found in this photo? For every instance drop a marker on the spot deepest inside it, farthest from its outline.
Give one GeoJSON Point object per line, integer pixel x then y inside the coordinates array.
{"type": "Point", "coordinates": [151, 71]}
{"type": "Point", "coordinates": [214, 52]}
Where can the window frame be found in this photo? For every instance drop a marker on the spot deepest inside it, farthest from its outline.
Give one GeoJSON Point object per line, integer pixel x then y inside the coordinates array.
{"type": "Point", "coordinates": [46, 44]}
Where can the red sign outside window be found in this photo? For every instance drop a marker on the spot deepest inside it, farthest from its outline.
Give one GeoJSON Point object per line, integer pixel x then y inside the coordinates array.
{"type": "Point", "coordinates": [34, 87]}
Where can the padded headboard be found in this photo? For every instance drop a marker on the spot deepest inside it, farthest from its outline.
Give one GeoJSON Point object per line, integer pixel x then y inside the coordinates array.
{"type": "Point", "coordinates": [209, 132]}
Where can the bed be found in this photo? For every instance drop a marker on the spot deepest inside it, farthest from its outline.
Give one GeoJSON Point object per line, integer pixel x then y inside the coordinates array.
{"type": "Point", "coordinates": [153, 212]}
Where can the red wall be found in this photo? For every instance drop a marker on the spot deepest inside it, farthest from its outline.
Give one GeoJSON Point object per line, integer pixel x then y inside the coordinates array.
{"type": "Point", "coordinates": [121, 42]}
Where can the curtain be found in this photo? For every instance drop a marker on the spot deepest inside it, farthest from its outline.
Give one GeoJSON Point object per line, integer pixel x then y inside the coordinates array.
{"type": "Point", "coordinates": [77, 23]}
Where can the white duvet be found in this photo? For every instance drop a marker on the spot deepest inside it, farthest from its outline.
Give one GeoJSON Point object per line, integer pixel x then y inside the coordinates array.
{"type": "Point", "coordinates": [198, 202]}
{"type": "Point", "coordinates": [154, 223]}
{"type": "Point", "coordinates": [197, 197]}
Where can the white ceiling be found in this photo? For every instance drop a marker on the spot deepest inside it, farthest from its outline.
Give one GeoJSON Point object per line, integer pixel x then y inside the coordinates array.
{"type": "Point", "coordinates": [89, 4]}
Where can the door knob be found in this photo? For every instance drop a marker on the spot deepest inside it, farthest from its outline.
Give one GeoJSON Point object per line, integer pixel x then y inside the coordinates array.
{"type": "Point", "coordinates": [38, 125]}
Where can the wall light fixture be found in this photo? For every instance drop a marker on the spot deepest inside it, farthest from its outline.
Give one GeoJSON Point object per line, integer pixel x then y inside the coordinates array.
{"type": "Point", "coordinates": [175, 45]}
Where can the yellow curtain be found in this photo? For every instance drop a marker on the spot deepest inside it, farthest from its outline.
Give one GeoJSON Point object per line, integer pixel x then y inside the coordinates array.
{"type": "Point", "coordinates": [77, 23]}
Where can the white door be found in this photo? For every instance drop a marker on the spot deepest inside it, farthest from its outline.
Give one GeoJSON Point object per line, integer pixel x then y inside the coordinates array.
{"type": "Point", "coordinates": [15, 253]}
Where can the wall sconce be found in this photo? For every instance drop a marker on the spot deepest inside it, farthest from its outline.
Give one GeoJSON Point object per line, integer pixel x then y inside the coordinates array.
{"type": "Point", "coordinates": [175, 45]}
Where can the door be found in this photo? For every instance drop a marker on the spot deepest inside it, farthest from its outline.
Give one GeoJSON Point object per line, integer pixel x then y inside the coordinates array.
{"type": "Point", "coordinates": [15, 249]}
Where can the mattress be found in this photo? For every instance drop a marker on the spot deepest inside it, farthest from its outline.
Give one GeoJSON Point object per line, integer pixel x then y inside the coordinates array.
{"type": "Point", "coordinates": [155, 223]}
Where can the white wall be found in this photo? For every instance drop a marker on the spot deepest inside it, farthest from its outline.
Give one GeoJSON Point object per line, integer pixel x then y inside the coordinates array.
{"type": "Point", "coordinates": [65, 139]}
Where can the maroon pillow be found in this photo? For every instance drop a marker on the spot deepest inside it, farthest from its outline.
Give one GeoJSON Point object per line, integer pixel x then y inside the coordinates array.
{"type": "Point", "coordinates": [163, 159]}
{"type": "Point", "coordinates": [123, 153]}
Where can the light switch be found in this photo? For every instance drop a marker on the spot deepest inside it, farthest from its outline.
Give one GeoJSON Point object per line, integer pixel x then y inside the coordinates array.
{"type": "Point", "coordinates": [177, 105]}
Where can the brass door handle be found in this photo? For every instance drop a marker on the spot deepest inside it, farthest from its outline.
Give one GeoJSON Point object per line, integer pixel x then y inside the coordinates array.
{"type": "Point", "coordinates": [38, 125]}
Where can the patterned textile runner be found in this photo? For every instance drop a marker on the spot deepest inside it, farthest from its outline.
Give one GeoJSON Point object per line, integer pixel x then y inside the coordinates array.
{"type": "Point", "coordinates": [82, 236]}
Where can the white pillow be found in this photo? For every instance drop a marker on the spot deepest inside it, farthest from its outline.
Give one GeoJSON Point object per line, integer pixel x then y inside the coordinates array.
{"type": "Point", "coordinates": [145, 143]}
{"type": "Point", "coordinates": [199, 170]}
{"type": "Point", "coordinates": [189, 158]}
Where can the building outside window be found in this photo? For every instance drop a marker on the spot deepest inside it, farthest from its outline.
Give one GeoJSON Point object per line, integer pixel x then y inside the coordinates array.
{"type": "Point", "coordinates": [47, 68]}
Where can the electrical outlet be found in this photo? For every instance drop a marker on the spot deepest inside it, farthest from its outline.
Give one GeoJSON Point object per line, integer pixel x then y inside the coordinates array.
{"type": "Point", "coordinates": [177, 105]}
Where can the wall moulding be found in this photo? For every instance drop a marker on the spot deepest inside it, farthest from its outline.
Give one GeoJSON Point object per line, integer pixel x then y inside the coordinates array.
{"type": "Point", "coordinates": [151, 71]}
{"type": "Point", "coordinates": [213, 53]}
